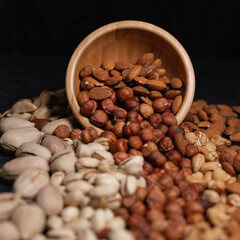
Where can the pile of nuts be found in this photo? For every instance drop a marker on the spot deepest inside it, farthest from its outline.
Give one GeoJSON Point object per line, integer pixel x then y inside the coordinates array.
{"type": "Point", "coordinates": [144, 177]}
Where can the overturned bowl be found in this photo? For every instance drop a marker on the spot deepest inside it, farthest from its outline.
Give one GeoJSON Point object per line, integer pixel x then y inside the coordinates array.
{"type": "Point", "coordinates": [127, 41]}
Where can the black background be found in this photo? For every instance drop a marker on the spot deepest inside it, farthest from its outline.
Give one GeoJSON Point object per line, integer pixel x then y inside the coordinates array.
{"type": "Point", "coordinates": [37, 39]}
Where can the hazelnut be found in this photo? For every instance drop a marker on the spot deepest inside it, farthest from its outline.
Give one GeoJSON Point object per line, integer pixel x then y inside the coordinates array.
{"type": "Point", "coordinates": [89, 134]}
{"type": "Point", "coordinates": [108, 106]}
{"type": "Point", "coordinates": [110, 136]}
{"type": "Point", "coordinates": [82, 97]}
{"type": "Point", "coordinates": [135, 152]}
{"type": "Point", "coordinates": [132, 116]}
{"type": "Point", "coordinates": [166, 181]}
{"type": "Point", "coordinates": [62, 131]}
{"type": "Point", "coordinates": [127, 202]}
{"type": "Point", "coordinates": [190, 193]}
{"type": "Point", "coordinates": [173, 207]}
{"type": "Point", "coordinates": [109, 125]}
{"type": "Point", "coordinates": [157, 158]}
{"type": "Point", "coordinates": [166, 144]}
{"type": "Point", "coordinates": [145, 124]}
{"type": "Point", "coordinates": [135, 142]}
{"type": "Point", "coordinates": [119, 146]}
{"type": "Point", "coordinates": [193, 207]}
{"type": "Point", "coordinates": [173, 192]}
{"type": "Point", "coordinates": [169, 119]}
{"type": "Point", "coordinates": [185, 163]}
{"type": "Point", "coordinates": [75, 133]}
{"type": "Point", "coordinates": [175, 129]}
{"type": "Point", "coordinates": [170, 166]}
{"type": "Point", "coordinates": [86, 85]}
{"type": "Point", "coordinates": [146, 110]}
{"type": "Point", "coordinates": [99, 118]}
{"type": "Point", "coordinates": [138, 208]}
{"type": "Point", "coordinates": [118, 129]}
{"type": "Point", "coordinates": [113, 97]}
{"type": "Point", "coordinates": [148, 148]}
{"type": "Point", "coordinates": [155, 120]}
{"type": "Point", "coordinates": [191, 150]}
{"type": "Point", "coordinates": [122, 212]}
{"type": "Point", "coordinates": [119, 115]}
{"type": "Point", "coordinates": [141, 193]}
{"type": "Point", "coordinates": [88, 108]}
{"type": "Point", "coordinates": [195, 218]}
{"type": "Point", "coordinates": [158, 135]}
{"type": "Point", "coordinates": [174, 156]}
{"type": "Point", "coordinates": [147, 166]}
{"type": "Point", "coordinates": [131, 105]}
{"type": "Point", "coordinates": [163, 127]}
{"type": "Point", "coordinates": [140, 118]}
{"type": "Point", "coordinates": [146, 134]}
{"type": "Point", "coordinates": [160, 105]}
{"type": "Point", "coordinates": [131, 129]}
{"type": "Point", "coordinates": [124, 93]}
{"type": "Point", "coordinates": [120, 156]}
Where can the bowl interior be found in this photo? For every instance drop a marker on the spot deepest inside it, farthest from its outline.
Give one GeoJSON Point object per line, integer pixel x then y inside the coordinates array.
{"type": "Point", "coordinates": [127, 44]}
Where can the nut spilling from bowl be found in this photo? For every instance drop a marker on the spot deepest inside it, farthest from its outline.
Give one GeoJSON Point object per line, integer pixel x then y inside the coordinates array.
{"type": "Point", "coordinates": [111, 91]}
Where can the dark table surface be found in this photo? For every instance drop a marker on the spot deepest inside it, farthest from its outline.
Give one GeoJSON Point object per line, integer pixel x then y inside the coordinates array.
{"type": "Point", "coordinates": [217, 82]}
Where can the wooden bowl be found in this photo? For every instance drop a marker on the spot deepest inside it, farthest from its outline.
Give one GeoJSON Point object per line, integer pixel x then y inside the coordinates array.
{"type": "Point", "coordinates": [127, 41]}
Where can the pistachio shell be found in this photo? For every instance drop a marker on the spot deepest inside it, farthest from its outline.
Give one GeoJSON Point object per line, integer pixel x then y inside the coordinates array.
{"type": "Point", "coordinates": [8, 231]}
{"type": "Point", "coordinates": [53, 143]}
{"type": "Point", "coordinates": [14, 122]}
{"type": "Point", "coordinates": [13, 138]}
{"type": "Point", "coordinates": [31, 148]}
{"type": "Point", "coordinates": [22, 106]}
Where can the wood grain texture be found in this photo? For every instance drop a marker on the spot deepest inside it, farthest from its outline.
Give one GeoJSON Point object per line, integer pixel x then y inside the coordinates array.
{"type": "Point", "coordinates": [127, 41]}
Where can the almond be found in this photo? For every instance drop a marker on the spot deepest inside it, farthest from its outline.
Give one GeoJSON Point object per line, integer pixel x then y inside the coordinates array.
{"type": "Point", "coordinates": [236, 163]}
{"type": "Point", "coordinates": [40, 123]}
{"type": "Point", "coordinates": [204, 124]}
{"type": "Point", "coordinates": [202, 115]}
{"type": "Point", "coordinates": [146, 70]}
{"type": "Point", "coordinates": [236, 109]}
{"type": "Point", "coordinates": [223, 107]}
{"type": "Point", "coordinates": [156, 85]}
{"type": "Point", "coordinates": [112, 81]}
{"type": "Point", "coordinates": [165, 80]}
{"type": "Point", "coordinates": [171, 94]}
{"type": "Point", "coordinates": [94, 81]}
{"type": "Point", "coordinates": [153, 75]}
{"type": "Point", "coordinates": [158, 63]}
{"type": "Point", "coordinates": [235, 137]}
{"type": "Point", "coordinates": [134, 72]}
{"type": "Point", "coordinates": [161, 71]}
{"type": "Point", "coordinates": [99, 93]}
{"type": "Point", "coordinates": [180, 143]}
{"type": "Point", "coordinates": [115, 73]}
{"type": "Point", "coordinates": [234, 187]}
{"type": "Point", "coordinates": [147, 100]}
{"type": "Point", "coordinates": [108, 64]}
{"type": "Point", "coordinates": [100, 74]}
{"type": "Point", "coordinates": [228, 114]}
{"type": "Point", "coordinates": [141, 91]}
{"type": "Point", "coordinates": [146, 59]}
{"type": "Point", "coordinates": [155, 94]}
{"type": "Point", "coordinates": [125, 73]}
{"type": "Point", "coordinates": [176, 104]}
{"type": "Point", "coordinates": [233, 122]}
{"type": "Point", "coordinates": [217, 118]}
{"type": "Point", "coordinates": [86, 71]}
{"type": "Point", "coordinates": [228, 167]}
{"type": "Point", "coordinates": [230, 130]}
{"type": "Point", "coordinates": [121, 66]}
{"type": "Point", "coordinates": [140, 81]}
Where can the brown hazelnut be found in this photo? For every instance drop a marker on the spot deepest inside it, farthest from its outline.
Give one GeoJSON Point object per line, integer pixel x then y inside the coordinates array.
{"type": "Point", "coordinates": [146, 110]}
{"type": "Point", "coordinates": [140, 118]}
{"type": "Point", "coordinates": [174, 156]}
{"type": "Point", "coordinates": [191, 150]}
{"type": "Point", "coordinates": [173, 207]}
{"type": "Point", "coordinates": [134, 152]}
{"type": "Point", "coordinates": [113, 97]}
{"type": "Point", "coordinates": [135, 142]}
{"type": "Point", "coordinates": [141, 193]}
{"type": "Point", "coordinates": [99, 118]}
{"type": "Point", "coordinates": [193, 207]}
{"type": "Point", "coordinates": [62, 131]}
{"type": "Point", "coordinates": [166, 144]}
{"type": "Point", "coordinates": [148, 148]}
{"type": "Point", "coordinates": [86, 85]}
{"type": "Point", "coordinates": [169, 119]}
{"type": "Point", "coordinates": [160, 105]}
{"type": "Point", "coordinates": [195, 218]}
{"type": "Point", "coordinates": [155, 120]}
{"type": "Point", "coordinates": [131, 129]}
{"type": "Point", "coordinates": [108, 106]}
{"type": "Point", "coordinates": [166, 181]}
{"type": "Point", "coordinates": [185, 163]}
{"type": "Point", "coordinates": [175, 129]}
{"type": "Point", "coordinates": [146, 134]}
{"type": "Point", "coordinates": [124, 93]}
{"type": "Point", "coordinates": [119, 146]}
{"type": "Point", "coordinates": [82, 97]}
{"type": "Point", "coordinates": [120, 156]}
{"type": "Point", "coordinates": [157, 159]}
{"type": "Point", "coordinates": [147, 166]}
{"type": "Point", "coordinates": [186, 172]}
{"type": "Point", "coordinates": [190, 193]}
{"type": "Point", "coordinates": [170, 167]}
{"type": "Point", "coordinates": [109, 125]}
{"type": "Point", "coordinates": [145, 124]}
{"type": "Point", "coordinates": [122, 212]}
{"type": "Point", "coordinates": [173, 192]}
{"type": "Point", "coordinates": [127, 202]}
{"type": "Point", "coordinates": [158, 135]}
{"type": "Point", "coordinates": [163, 127]}
{"type": "Point", "coordinates": [75, 133]}
{"type": "Point", "coordinates": [119, 115]}
{"type": "Point", "coordinates": [88, 108]}
{"type": "Point", "coordinates": [132, 116]}
{"type": "Point", "coordinates": [89, 134]}
{"type": "Point", "coordinates": [110, 136]}
{"type": "Point", "coordinates": [118, 129]}
{"type": "Point", "coordinates": [131, 105]}
{"type": "Point", "coordinates": [138, 208]}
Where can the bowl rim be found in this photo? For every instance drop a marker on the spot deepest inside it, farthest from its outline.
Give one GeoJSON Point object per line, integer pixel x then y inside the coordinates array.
{"type": "Point", "coordinates": [134, 24]}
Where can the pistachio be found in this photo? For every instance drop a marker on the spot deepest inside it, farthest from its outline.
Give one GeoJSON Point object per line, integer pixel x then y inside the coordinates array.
{"type": "Point", "coordinates": [42, 112]}
{"type": "Point", "coordinates": [88, 162]}
{"type": "Point", "coordinates": [39, 237]}
{"type": "Point", "coordinates": [87, 234]}
{"type": "Point", "coordinates": [51, 126]}
{"type": "Point", "coordinates": [28, 184]}
{"type": "Point", "coordinates": [116, 223]}
{"type": "Point", "coordinates": [103, 141]}
{"type": "Point", "coordinates": [29, 219]}
{"type": "Point", "coordinates": [61, 234]}
{"type": "Point", "coordinates": [70, 213]}
{"type": "Point", "coordinates": [8, 231]}
{"type": "Point", "coordinates": [26, 116]}
{"type": "Point", "coordinates": [57, 178]}
{"type": "Point", "coordinates": [13, 138]}
{"type": "Point", "coordinates": [8, 202]}
{"type": "Point", "coordinates": [63, 161]}
{"type": "Point", "coordinates": [22, 106]}
{"type": "Point", "coordinates": [13, 123]}
{"type": "Point", "coordinates": [81, 185]}
{"type": "Point", "coordinates": [53, 144]}
{"type": "Point", "coordinates": [74, 198]}
{"type": "Point", "coordinates": [54, 222]}
{"type": "Point", "coordinates": [13, 168]}
{"type": "Point", "coordinates": [31, 148]}
{"type": "Point", "coordinates": [83, 150]}
{"type": "Point", "coordinates": [78, 225]}
{"type": "Point", "coordinates": [128, 186]}
{"type": "Point", "coordinates": [50, 199]}
{"type": "Point", "coordinates": [87, 212]}
{"type": "Point", "coordinates": [106, 179]}
{"type": "Point", "coordinates": [120, 234]}
{"type": "Point", "coordinates": [106, 165]}
{"type": "Point", "coordinates": [102, 154]}
{"type": "Point", "coordinates": [98, 220]}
